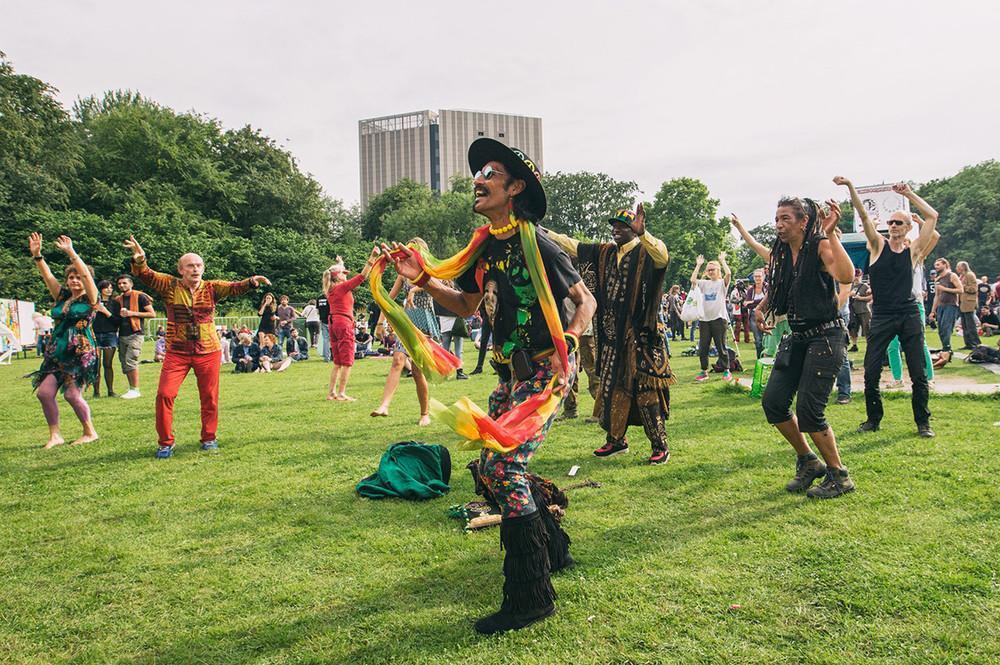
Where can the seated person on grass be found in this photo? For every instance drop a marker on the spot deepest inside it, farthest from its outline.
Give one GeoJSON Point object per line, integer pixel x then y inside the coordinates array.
{"type": "Point", "coordinates": [246, 354]}
{"type": "Point", "coordinates": [989, 320]}
{"type": "Point", "coordinates": [296, 347]}
{"type": "Point", "coordinates": [270, 356]}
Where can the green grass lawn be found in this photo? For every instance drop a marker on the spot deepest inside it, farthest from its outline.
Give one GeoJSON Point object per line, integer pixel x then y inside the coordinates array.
{"type": "Point", "coordinates": [262, 552]}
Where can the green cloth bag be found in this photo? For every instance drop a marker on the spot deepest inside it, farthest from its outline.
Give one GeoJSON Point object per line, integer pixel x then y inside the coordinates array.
{"type": "Point", "coordinates": [409, 470]}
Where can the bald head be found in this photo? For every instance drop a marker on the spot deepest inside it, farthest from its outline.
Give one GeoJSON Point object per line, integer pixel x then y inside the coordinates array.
{"type": "Point", "coordinates": [191, 267]}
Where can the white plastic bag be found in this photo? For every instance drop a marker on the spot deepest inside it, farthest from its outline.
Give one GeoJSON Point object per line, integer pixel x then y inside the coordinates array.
{"type": "Point", "coordinates": [692, 309]}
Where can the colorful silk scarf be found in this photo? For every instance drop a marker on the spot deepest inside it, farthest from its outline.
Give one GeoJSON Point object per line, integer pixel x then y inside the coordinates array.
{"type": "Point", "coordinates": [523, 421]}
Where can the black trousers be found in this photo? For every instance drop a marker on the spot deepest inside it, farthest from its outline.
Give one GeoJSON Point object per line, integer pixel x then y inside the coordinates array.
{"type": "Point", "coordinates": [910, 329]}
{"type": "Point", "coordinates": [712, 331]}
{"type": "Point", "coordinates": [969, 331]}
{"type": "Point", "coordinates": [807, 367]}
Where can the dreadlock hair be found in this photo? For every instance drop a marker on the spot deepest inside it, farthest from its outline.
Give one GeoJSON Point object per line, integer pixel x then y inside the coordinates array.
{"type": "Point", "coordinates": [780, 270]}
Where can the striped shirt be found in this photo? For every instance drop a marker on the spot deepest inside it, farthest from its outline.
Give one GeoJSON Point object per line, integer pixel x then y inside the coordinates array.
{"type": "Point", "coordinates": [190, 314]}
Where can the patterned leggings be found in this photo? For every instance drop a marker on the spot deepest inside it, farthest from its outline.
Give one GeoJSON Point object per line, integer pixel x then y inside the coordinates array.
{"type": "Point", "coordinates": [506, 473]}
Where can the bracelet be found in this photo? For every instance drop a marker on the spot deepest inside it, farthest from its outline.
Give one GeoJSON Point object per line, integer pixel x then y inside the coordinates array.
{"type": "Point", "coordinates": [572, 343]}
{"type": "Point", "coordinates": [422, 279]}
{"type": "Point", "coordinates": [38, 258]}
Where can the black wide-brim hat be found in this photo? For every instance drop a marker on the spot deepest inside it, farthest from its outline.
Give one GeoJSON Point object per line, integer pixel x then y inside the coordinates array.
{"type": "Point", "coordinates": [519, 165]}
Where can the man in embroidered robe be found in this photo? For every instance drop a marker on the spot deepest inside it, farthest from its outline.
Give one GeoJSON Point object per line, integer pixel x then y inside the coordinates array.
{"type": "Point", "coordinates": [631, 351]}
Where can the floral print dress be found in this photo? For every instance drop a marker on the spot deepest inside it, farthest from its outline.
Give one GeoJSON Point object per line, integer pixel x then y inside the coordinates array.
{"type": "Point", "coordinates": [71, 352]}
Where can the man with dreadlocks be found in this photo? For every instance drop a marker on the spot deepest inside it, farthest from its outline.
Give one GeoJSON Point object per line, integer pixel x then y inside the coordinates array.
{"type": "Point", "coordinates": [632, 360]}
{"type": "Point", "coordinates": [807, 261]}
{"type": "Point", "coordinates": [529, 277]}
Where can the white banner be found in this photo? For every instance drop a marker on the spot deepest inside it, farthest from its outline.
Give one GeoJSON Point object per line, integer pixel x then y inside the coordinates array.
{"type": "Point", "coordinates": [880, 202]}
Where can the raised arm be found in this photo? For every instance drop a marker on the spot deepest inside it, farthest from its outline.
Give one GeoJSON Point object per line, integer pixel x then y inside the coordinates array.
{"type": "Point", "coordinates": [566, 244]}
{"type": "Point", "coordinates": [762, 251]}
{"type": "Point", "coordinates": [875, 239]}
{"type": "Point", "coordinates": [919, 257]}
{"type": "Point", "coordinates": [834, 256]}
{"type": "Point", "coordinates": [157, 281]}
{"type": "Point", "coordinates": [655, 247]}
{"type": "Point", "coordinates": [727, 274]}
{"type": "Point", "coordinates": [35, 247]}
{"type": "Point", "coordinates": [65, 244]}
{"type": "Point", "coordinates": [697, 269]}
{"type": "Point", "coordinates": [460, 302]}
{"type": "Point", "coordinates": [925, 241]}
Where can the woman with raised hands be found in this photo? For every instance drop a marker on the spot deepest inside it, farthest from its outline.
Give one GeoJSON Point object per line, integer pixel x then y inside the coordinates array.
{"type": "Point", "coordinates": [70, 359]}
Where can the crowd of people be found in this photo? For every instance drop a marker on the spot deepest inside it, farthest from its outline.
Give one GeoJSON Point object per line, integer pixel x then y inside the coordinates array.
{"type": "Point", "coordinates": [540, 304]}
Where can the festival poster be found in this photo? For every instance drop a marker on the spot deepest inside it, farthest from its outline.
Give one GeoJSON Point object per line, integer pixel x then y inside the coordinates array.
{"type": "Point", "coordinates": [880, 202]}
{"type": "Point", "coordinates": [8, 317]}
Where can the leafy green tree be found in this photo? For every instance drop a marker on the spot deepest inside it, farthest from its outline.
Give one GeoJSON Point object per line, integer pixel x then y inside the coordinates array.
{"type": "Point", "coordinates": [969, 207]}
{"type": "Point", "coordinates": [579, 204]}
{"type": "Point", "coordinates": [445, 223]}
{"type": "Point", "coordinates": [39, 148]}
{"type": "Point", "coordinates": [683, 215]}
{"type": "Point", "coordinates": [404, 193]}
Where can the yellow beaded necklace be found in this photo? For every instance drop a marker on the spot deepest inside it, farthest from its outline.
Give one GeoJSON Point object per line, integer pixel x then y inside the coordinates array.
{"type": "Point", "coordinates": [504, 229]}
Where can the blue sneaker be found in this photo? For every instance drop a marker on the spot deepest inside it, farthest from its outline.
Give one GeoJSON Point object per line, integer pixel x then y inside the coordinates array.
{"type": "Point", "coordinates": [210, 445]}
{"type": "Point", "coordinates": [163, 452]}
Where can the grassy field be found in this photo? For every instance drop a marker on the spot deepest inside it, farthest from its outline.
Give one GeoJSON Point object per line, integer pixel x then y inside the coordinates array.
{"type": "Point", "coordinates": [262, 552]}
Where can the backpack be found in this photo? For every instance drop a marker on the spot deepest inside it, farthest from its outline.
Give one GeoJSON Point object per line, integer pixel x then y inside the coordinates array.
{"type": "Point", "coordinates": [734, 362]}
{"type": "Point", "coordinates": [983, 354]}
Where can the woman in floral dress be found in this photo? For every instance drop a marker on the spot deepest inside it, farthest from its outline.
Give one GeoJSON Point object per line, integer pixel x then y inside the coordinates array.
{"type": "Point", "coordinates": [70, 361]}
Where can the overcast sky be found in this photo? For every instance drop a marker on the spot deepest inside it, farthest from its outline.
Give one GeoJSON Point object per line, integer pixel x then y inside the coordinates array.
{"type": "Point", "coordinates": [757, 99]}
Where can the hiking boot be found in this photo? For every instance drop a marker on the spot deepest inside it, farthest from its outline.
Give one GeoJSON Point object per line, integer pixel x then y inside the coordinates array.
{"type": "Point", "coordinates": [807, 469]}
{"type": "Point", "coordinates": [843, 399]}
{"type": "Point", "coordinates": [837, 482]}
{"type": "Point", "coordinates": [210, 445]}
{"type": "Point", "coordinates": [659, 457]}
{"type": "Point", "coordinates": [611, 449]}
{"type": "Point", "coordinates": [925, 431]}
{"type": "Point", "coordinates": [163, 452]}
{"type": "Point", "coordinates": [867, 426]}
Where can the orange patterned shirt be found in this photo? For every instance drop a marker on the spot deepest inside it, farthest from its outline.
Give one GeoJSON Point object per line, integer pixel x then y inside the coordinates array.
{"type": "Point", "coordinates": [190, 314]}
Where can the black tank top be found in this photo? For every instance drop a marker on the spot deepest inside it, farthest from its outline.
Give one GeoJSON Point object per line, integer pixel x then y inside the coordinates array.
{"type": "Point", "coordinates": [892, 282]}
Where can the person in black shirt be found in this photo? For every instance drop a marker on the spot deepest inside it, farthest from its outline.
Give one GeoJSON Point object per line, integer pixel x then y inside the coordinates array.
{"type": "Point", "coordinates": [507, 188]}
{"type": "Point", "coordinates": [894, 307]}
{"type": "Point", "coordinates": [106, 324]}
{"type": "Point", "coordinates": [806, 262]}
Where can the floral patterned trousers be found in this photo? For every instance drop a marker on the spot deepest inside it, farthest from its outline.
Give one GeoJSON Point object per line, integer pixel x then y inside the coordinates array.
{"type": "Point", "coordinates": [506, 473]}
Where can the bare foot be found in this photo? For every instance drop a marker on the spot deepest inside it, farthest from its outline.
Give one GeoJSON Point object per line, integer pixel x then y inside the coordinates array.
{"type": "Point", "coordinates": [424, 421]}
{"type": "Point", "coordinates": [330, 396]}
{"type": "Point", "coordinates": [348, 398]}
{"type": "Point", "coordinates": [85, 439]}
{"type": "Point", "coordinates": [54, 441]}
{"type": "Point", "coordinates": [379, 413]}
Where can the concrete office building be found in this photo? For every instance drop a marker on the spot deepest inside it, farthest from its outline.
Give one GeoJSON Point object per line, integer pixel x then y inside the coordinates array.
{"type": "Point", "coordinates": [431, 147]}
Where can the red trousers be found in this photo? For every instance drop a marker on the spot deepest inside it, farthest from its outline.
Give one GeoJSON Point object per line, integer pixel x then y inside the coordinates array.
{"type": "Point", "coordinates": [175, 368]}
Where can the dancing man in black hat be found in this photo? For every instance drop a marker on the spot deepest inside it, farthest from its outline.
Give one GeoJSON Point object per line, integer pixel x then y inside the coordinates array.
{"type": "Point", "coordinates": [508, 192]}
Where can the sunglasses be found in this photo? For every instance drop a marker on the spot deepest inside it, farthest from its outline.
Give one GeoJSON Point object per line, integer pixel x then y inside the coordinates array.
{"type": "Point", "coordinates": [487, 173]}
{"type": "Point", "coordinates": [895, 222]}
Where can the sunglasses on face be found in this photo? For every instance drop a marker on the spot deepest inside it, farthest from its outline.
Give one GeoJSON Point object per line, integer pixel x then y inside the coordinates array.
{"type": "Point", "coordinates": [895, 222]}
{"type": "Point", "coordinates": [487, 173]}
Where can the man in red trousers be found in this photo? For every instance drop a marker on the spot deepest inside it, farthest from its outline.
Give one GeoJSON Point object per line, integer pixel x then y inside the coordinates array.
{"type": "Point", "coordinates": [192, 342]}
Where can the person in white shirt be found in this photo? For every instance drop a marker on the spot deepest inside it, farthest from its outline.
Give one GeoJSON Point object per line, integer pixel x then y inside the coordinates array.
{"type": "Point", "coordinates": [712, 328]}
